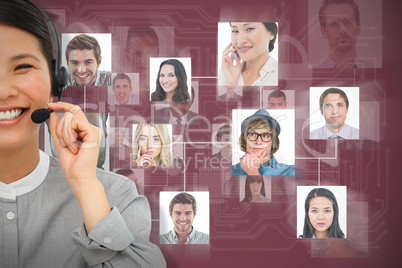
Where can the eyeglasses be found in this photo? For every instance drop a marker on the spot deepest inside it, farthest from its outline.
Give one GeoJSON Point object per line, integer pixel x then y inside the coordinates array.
{"type": "Point", "coordinates": [347, 23]}
{"type": "Point", "coordinates": [265, 137]}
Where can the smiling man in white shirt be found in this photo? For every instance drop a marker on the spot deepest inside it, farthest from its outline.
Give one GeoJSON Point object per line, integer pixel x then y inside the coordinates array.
{"type": "Point", "coordinates": [182, 210]}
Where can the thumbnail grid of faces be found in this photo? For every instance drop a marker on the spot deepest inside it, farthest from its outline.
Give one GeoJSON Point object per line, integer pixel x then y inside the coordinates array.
{"type": "Point", "coordinates": [253, 146]}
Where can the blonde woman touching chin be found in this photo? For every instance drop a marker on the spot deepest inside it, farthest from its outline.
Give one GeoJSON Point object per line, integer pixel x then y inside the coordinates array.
{"type": "Point", "coordinates": [152, 146]}
{"type": "Point", "coordinates": [246, 60]}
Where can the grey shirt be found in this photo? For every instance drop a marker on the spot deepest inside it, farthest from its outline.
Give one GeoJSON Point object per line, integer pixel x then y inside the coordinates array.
{"type": "Point", "coordinates": [41, 225]}
{"type": "Point", "coordinates": [193, 238]}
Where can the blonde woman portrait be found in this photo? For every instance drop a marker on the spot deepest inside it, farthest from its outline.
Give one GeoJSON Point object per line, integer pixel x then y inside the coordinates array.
{"type": "Point", "coordinates": [151, 146]}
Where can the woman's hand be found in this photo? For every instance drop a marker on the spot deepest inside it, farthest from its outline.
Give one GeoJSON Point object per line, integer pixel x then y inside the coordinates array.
{"type": "Point", "coordinates": [144, 160]}
{"type": "Point", "coordinates": [231, 71]}
{"type": "Point", "coordinates": [250, 162]}
{"type": "Point", "coordinates": [77, 143]}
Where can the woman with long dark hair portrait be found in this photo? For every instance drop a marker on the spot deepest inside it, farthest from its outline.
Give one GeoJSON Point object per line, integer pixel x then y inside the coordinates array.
{"type": "Point", "coordinates": [321, 215]}
{"type": "Point", "coordinates": [171, 83]}
{"type": "Point", "coordinates": [254, 190]}
{"type": "Point", "coordinates": [151, 146]}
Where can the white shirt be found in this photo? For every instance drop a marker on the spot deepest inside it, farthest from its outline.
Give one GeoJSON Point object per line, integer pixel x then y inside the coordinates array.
{"type": "Point", "coordinates": [268, 75]}
{"type": "Point", "coordinates": [29, 182]}
{"type": "Point", "coordinates": [264, 199]}
{"type": "Point", "coordinates": [323, 133]}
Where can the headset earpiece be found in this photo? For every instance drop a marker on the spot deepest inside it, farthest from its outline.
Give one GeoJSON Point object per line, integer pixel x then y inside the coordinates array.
{"type": "Point", "coordinates": [60, 81]}
{"type": "Point", "coordinates": [59, 73]}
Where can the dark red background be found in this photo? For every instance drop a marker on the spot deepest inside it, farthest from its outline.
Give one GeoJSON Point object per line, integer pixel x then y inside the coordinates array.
{"type": "Point", "coordinates": [264, 236]}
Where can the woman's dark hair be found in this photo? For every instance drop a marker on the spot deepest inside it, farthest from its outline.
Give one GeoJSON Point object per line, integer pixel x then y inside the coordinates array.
{"type": "Point", "coordinates": [181, 92]}
{"type": "Point", "coordinates": [273, 28]}
{"type": "Point", "coordinates": [334, 231]}
{"type": "Point", "coordinates": [247, 191]}
{"type": "Point", "coordinates": [23, 15]}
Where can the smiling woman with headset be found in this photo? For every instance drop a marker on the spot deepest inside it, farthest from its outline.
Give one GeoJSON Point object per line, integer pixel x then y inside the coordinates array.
{"type": "Point", "coordinates": [66, 214]}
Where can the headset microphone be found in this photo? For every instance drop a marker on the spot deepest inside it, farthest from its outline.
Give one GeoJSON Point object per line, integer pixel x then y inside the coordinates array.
{"type": "Point", "coordinates": [41, 115]}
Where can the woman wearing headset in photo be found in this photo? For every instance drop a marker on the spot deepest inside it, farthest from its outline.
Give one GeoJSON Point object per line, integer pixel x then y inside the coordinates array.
{"type": "Point", "coordinates": [259, 139]}
{"type": "Point", "coordinates": [151, 146]}
{"type": "Point", "coordinates": [254, 190]}
{"type": "Point", "coordinates": [171, 83]}
{"type": "Point", "coordinates": [67, 214]}
{"type": "Point", "coordinates": [322, 215]}
{"type": "Point", "coordinates": [246, 60]}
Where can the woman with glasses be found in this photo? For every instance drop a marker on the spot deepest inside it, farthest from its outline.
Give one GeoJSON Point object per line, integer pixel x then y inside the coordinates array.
{"type": "Point", "coordinates": [260, 140]}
